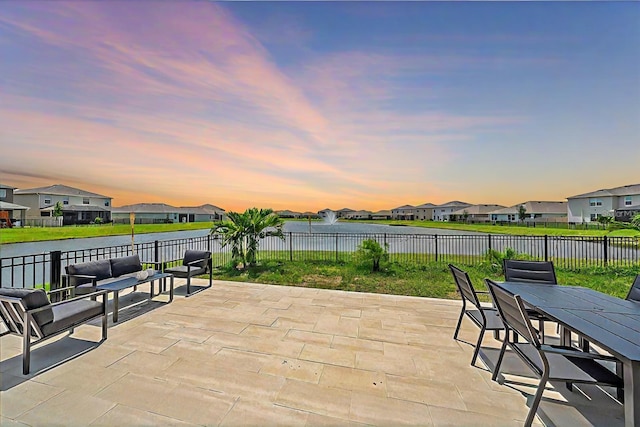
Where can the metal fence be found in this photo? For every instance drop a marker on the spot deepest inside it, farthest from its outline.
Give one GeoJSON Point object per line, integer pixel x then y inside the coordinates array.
{"type": "Point", "coordinates": [46, 269]}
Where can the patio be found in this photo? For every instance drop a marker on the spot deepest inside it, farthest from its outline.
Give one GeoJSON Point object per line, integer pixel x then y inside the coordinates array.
{"type": "Point", "coordinates": [248, 354]}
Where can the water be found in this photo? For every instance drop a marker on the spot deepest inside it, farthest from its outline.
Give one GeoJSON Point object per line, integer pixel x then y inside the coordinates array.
{"type": "Point", "coordinates": [329, 218]}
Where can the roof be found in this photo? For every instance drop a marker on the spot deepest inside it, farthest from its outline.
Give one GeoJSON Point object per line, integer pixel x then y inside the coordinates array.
{"type": "Point", "coordinates": [453, 204]}
{"type": "Point", "coordinates": [7, 187]}
{"type": "Point", "coordinates": [625, 190]}
{"type": "Point", "coordinates": [363, 212]}
{"type": "Point", "coordinates": [6, 206]}
{"type": "Point", "coordinates": [77, 208]}
{"type": "Point", "coordinates": [287, 212]}
{"type": "Point", "coordinates": [382, 213]}
{"type": "Point", "coordinates": [59, 190]}
{"type": "Point", "coordinates": [629, 208]}
{"type": "Point", "coordinates": [345, 210]}
{"type": "Point", "coordinates": [536, 207]}
{"type": "Point", "coordinates": [478, 209]}
{"type": "Point", "coordinates": [146, 208]}
{"type": "Point", "coordinates": [209, 208]}
{"type": "Point", "coordinates": [405, 207]}
{"type": "Point", "coordinates": [426, 206]}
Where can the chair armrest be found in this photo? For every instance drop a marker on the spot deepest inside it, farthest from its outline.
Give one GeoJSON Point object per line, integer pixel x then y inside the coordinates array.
{"type": "Point", "coordinates": [571, 352]}
{"type": "Point", "coordinates": [197, 261]}
{"type": "Point", "coordinates": [81, 276]}
{"type": "Point", "coordinates": [153, 262]}
{"type": "Point", "coordinates": [55, 291]}
{"type": "Point", "coordinates": [49, 306]}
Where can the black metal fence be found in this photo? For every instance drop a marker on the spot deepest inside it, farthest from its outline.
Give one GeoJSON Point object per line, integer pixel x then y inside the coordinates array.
{"type": "Point", "coordinates": [46, 269]}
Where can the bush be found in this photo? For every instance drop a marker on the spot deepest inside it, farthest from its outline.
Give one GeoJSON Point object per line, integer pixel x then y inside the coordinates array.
{"type": "Point", "coordinates": [98, 220]}
{"type": "Point", "coordinates": [495, 259]}
{"type": "Point", "coordinates": [371, 251]}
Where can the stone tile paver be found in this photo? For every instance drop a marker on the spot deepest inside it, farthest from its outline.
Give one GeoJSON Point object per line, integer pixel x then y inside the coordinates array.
{"type": "Point", "coordinates": [253, 354]}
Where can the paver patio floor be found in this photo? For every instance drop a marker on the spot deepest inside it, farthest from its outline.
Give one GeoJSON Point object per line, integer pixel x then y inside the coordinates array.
{"type": "Point", "coordinates": [250, 354]}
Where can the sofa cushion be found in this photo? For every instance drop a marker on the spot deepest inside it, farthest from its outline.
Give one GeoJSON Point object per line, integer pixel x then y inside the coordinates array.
{"type": "Point", "coordinates": [191, 255]}
{"type": "Point", "coordinates": [32, 298]}
{"type": "Point", "coordinates": [101, 269]}
{"type": "Point", "coordinates": [125, 265]}
{"type": "Point", "coordinates": [74, 312]}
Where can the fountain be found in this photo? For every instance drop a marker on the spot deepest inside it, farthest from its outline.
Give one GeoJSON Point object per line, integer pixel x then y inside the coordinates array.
{"type": "Point", "coordinates": [329, 217]}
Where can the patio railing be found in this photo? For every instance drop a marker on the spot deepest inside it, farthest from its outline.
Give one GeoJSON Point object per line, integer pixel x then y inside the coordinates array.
{"type": "Point", "coordinates": [46, 269]}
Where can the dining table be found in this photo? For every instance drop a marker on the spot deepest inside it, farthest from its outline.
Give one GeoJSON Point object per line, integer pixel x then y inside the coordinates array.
{"type": "Point", "coordinates": [610, 323]}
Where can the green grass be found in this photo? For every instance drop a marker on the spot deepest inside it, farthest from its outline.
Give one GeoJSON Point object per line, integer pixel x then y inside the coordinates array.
{"type": "Point", "coordinates": [539, 230]}
{"type": "Point", "coordinates": [425, 280]}
{"type": "Point", "coordinates": [37, 234]}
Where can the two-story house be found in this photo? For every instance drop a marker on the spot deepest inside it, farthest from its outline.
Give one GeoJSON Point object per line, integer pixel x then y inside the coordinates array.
{"type": "Point", "coordinates": [444, 211]}
{"type": "Point", "coordinates": [424, 211]}
{"type": "Point", "coordinates": [78, 206]}
{"type": "Point", "coordinates": [476, 213]}
{"type": "Point", "coordinates": [618, 202]}
{"type": "Point", "coordinates": [11, 214]}
{"type": "Point", "coordinates": [406, 212]}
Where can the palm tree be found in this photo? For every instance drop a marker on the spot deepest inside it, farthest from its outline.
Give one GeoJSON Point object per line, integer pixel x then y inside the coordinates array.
{"type": "Point", "coordinates": [243, 231]}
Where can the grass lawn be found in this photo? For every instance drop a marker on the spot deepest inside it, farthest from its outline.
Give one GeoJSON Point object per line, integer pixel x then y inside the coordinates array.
{"type": "Point", "coordinates": [510, 229]}
{"type": "Point", "coordinates": [425, 280]}
{"type": "Point", "coordinates": [37, 234]}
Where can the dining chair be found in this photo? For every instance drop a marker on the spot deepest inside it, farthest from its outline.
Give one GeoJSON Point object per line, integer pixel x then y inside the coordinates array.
{"type": "Point", "coordinates": [538, 272]}
{"type": "Point", "coordinates": [548, 362]}
{"type": "Point", "coordinates": [486, 318]}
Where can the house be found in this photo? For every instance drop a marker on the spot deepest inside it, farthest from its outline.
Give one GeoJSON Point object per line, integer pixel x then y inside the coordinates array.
{"type": "Point", "coordinates": [358, 215]}
{"type": "Point", "coordinates": [443, 212]}
{"type": "Point", "coordinates": [288, 214]}
{"type": "Point", "coordinates": [535, 211]}
{"type": "Point", "coordinates": [78, 206]}
{"type": "Point", "coordinates": [383, 214]}
{"type": "Point", "coordinates": [341, 213]}
{"type": "Point", "coordinates": [476, 213]}
{"type": "Point", "coordinates": [406, 212]}
{"type": "Point", "coordinates": [157, 213]}
{"type": "Point", "coordinates": [424, 211]}
{"type": "Point", "coordinates": [614, 202]}
{"type": "Point", "coordinates": [10, 211]}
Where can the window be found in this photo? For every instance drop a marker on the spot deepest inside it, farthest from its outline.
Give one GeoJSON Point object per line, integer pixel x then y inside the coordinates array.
{"type": "Point", "coordinates": [3, 193]}
{"type": "Point", "coordinates": [594, 217]}
{"type": "Point", "coordinates": [595, 202]}
{"type": "Point", "coordinates": [106, 203]}
{"type": "Point", "coordinates": [85, 201]}
{"type": "Point", "coordinates": [65, 202]}
{"type": "Point", "coordinates": [627, 200]}
{"type": "Point", "coordinates": [45, 213]}
{"type": "Point", "coordinates": [47, 201]}
{"type": "Point", "coordinates": [512, 217]}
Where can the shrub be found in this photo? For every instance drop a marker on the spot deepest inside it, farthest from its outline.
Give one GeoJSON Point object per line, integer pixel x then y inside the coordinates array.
{"type": "Point", "coordinates": [371, 251]}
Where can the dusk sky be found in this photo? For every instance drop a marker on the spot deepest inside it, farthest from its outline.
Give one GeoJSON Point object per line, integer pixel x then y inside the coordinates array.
{"type": "Point", "coordinates": [303, 106]}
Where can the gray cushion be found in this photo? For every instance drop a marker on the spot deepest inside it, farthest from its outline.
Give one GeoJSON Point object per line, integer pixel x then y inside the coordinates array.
{"type": "Point", "coordinates": [66, 315]}
{"type": "Point", "coordinates": [190, 256]}
{"type": "Point", "coordinates": [181, 271]}
{"type": "Point", "coordinates": [32, 298]}
{"type": "Point", "coordinates": [125, 265]}
{"type": "Point", "coordinates": [100, 268]}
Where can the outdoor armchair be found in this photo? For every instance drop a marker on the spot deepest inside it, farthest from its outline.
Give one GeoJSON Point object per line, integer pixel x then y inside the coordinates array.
{"type": "Point", "coordinates": [194, 263]}
{"type": "Point", "coordinates": [486, 318]}
{"type": "Point", "coordinates": [548, 362]}
{"type": "Point", "coordinates": [28, 313]}
{"type": "Point", "coordinates": [634, 292]}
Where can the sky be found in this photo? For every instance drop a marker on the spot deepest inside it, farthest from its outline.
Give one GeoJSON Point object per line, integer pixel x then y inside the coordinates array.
{"type": "Point", "coordinates": [309, 105]}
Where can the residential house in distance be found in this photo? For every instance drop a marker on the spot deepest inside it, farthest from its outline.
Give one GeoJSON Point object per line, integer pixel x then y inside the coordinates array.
{"type": "Point", "coordinates": [341, 213]}
{"type": "Point", "coordinates": [536, 211]}
{"type": "Point", "coordinates": [443, 212]}
{"type": "Point", "coordinates": [78, 206]}
{"type": "Point", "coordinates": [424, 211]}
{"type": "Point", "coordinates": [358, 215]}
{"type": "Point", "coordinates": [11, 214]}
{"type": "Point", "coordinates": [157, 213]}
{"type": "Point", "coordinates": [619, 202]}
{"type": "Point", "coordinates": [476, 213]}
{"type": "Point", "coordinates": [285, 213]}
{"type": "Point", "coordinates": [406, 212]}
{"type": "Point", "coordinates": [383, 214]}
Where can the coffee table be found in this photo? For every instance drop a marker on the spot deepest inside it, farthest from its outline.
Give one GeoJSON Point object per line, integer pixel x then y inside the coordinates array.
{"type": "Point", "coordinates": [129, 282]}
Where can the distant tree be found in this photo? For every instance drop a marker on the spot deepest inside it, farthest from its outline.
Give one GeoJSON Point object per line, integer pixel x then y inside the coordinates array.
{"type": "Point", "coordinates": [522, 213]}
{"type": "Point", "coordinates": [371, 251]}
{"type": "Point", "coordinates": [605, 220]}
{"type": "Point", "coordinates": [57, 210]}
{"type": "Point", "coordinates": [465, 215]}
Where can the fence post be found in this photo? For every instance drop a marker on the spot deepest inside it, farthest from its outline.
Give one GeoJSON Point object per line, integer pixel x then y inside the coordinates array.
{"type": "Point", "coordinates": [209, 242]}
{"type": "Point", "coordinates": [436, 244]}
{"type": "Point", "coordinates": [605, 247]}
{"type": "Point", "coordinates": [546, 247]}
{"type": "Point", "coordinates": [336, 247]}
{"type": "Point", "coordinates": [290, 246]}
{"type": "Point", "coordinates": [489, 243]}
{"type": "Point", "coordinates": [55, 273]}
{"type": "Point", "coordinates": [156, 255]}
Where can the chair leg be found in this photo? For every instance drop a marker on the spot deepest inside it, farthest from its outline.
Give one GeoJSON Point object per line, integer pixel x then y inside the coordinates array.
{"type": "Point", "coordinates": [477, 350]}
{"type": "Point", "coordinates": [188, 284]}
{"type": "Point", "coordinates": [503, 349]}
{"type": "Point", "coordinates": [455, 334]}
{"type": "Point", "coordinates": [536, 399]}
{"type": "Point", "coordinates": [26, 344]}
{"type": "Point", "coordinates": [620, 390]}
{"type": "Point", "coordinates": [105, 317]}
{"type": "Point", "coordinates": [541, 327]}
